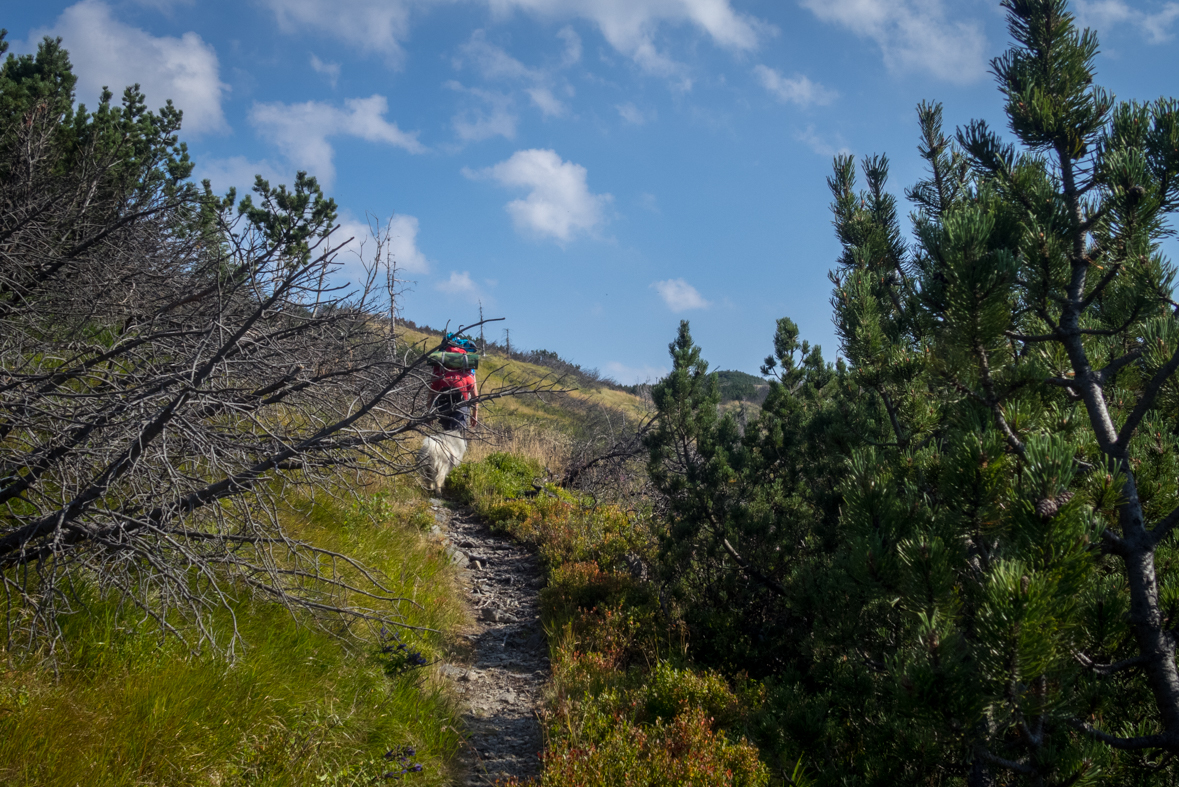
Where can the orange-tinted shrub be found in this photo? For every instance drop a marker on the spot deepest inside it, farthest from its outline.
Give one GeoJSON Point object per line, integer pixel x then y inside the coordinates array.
{"type": "Point", "coordinates": [686, 752]}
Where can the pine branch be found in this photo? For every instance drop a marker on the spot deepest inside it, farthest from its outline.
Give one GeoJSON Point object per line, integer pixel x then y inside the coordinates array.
{"type": "Point", "coordinates": [1011, 765]}
{"type": "Point", "coordinates": [751, 570]}
{"type": "Point", "coordinates": [1165, 526]}
{"type": "Point", "coordinates": [1110, 669]}
{"type": "Point", "coordinates": [1146, 401]}
{"type": "Point", "coordinates": [1125, 744]}
{"type": "Point", "coordinates": [1114, 366]}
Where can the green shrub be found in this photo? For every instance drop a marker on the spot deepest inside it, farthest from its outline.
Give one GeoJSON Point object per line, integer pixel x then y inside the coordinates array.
{"type": "Point", "coordinates": [581, 587]}
{"type": "Point", "coordinates": [670, 691]}
{"type": "Point", "coordinates": [498, 476]}
{"type": "Point", "coordinates": [506, 513]}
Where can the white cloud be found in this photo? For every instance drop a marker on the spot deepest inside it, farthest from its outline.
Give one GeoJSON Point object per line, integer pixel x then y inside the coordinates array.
{"type": "Point", "coordinates": [1156, 27]}
{"type": "Point", "coordinates": [360, 247]}
{"type": "Point", "coordinates": [914, 35]}
{"type": "Point", "coordinates": [630, 25]}
{"type": "Point", "coordinates": [633, 375]}
{"type": "Point", "coordinates": [559, 203]}
{"type": "Point", "coordinates": [301, 131]}
{"type": "Point", "coordinates": [820, 144]}
{"type": "Point", "coordinates": [495, 64]}
{"type": "Point", "coordinates": [492, 61]}
{"type": "Point", "coordinates": [546, 102]}
{"type": "Point", "coordinates": [491, 116]}
{"type": "Point", "coordinates": [679, 295]}
{"type": "Point", "coordinates": [164, 6]}
{"type": "Point", "coordinates": [633, 115]}
{"type": "Point", "coordinates": [572, 45]}
{"type": "Point", "coordinates": [403, 236]}
{"type": "Point", "coordinates": [372, 26]}
{"type": "Point", "coordinates": [107, 53]}
{"type": "Point", "coordinates": [239, 172]}
{"type": "Point", "coordinates": [797, 89]}
{"type": "Point", "coordinates": [330, 70]}
{"type": "Point", "coordinates": [460, 285]}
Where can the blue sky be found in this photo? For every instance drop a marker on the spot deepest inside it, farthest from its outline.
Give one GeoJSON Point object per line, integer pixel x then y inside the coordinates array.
{"type": "Point", "coordinates": [592, 170]}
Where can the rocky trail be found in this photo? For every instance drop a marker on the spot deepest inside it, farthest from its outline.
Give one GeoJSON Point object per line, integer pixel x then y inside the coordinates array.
{"type": "Point", "coordinates": [502, 676]}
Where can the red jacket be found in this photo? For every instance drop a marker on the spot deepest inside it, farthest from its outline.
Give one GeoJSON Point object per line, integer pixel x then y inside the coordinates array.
{"type": "Point", "coordinates": [446, 379]}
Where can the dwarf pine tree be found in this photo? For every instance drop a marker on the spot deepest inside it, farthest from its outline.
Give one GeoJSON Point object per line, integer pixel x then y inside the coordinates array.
{"type": "Point", "coordinates": [1000, 598]}
{"type": "Point", "coordinates": [1024, 352]}
{"type": "Point", "coordinates": [742, 503]}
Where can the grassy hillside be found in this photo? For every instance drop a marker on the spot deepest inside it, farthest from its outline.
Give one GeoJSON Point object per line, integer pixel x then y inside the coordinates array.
{"type": "Point", "coordinates": [295, 700]}
{"type": "Point", "coordinates": [542, 426]}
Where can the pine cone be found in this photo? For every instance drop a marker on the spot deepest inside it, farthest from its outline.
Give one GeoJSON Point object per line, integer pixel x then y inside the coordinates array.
{"type": "Point", "coordinates": [1046, 508]}
{"type": "Point", "coordinates": [1049, 506]}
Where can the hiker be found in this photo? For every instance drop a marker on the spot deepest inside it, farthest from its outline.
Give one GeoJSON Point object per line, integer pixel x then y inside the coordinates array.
{"type": "Point", "coordinates": [453, 384]}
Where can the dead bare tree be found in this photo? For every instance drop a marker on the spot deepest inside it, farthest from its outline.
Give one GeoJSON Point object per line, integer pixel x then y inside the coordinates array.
{"type": "Point", "coordinates": [169, 370]}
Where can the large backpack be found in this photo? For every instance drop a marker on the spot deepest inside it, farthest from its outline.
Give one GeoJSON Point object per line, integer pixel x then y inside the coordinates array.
{"type": "Point", "coordinates": [455, 360]}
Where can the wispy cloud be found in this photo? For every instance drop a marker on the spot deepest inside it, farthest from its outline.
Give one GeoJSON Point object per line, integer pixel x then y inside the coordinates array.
{"type": "Point", "coordinates": [107, 52]}
{"type": "Point", "coordinates": [679, 295]}
{"type": "Point", "coordinates": [559, 204]}
{"type": "Point", "coordinates": [382, 27]}
{"type": "Point", "coordinates": [572, 41]}
{"type": "Point", "coordinates": [488, 114]}
{"type": "Point", "coordinates": [493, 64]}
{"type": "Point", "coordinates": [239, 172]}
{"type": "Point", "coordinates": [301, 131]}
{"type": "Point", "coordinates": [377, 27]}
{"type": "Point", "coordinates": [329, 70]}
{"type": "Point", "coordinates": [1155, 27]}
{"type": "Point", "coordinates": [491, 61]}
{"type": "Point", "coordinates": [546, 102]}
{"type": "Point", "coordinates": [634, 375]}
{"type": "Point", "coordinates": [633, 115]}
{"type": "Point", "coordinates": [798, 89]}
{"type": "Point", "coordinates": [630, 27]}
{"type": "Point", "coordinates": [824, 146]}
{"type": "Point", "coordinates": [461, 286]}
{"type": "Point", "coordinates": [913, 35]}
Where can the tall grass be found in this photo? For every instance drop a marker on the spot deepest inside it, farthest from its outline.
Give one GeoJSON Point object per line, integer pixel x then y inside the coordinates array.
{"type": "Point", "coordinates": [298, 704]}
{"type": "Point", "coordinates": [547, 448]}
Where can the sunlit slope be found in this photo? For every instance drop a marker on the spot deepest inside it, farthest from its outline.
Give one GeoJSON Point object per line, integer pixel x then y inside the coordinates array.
{"type": "Point", "coordinates": [566, 411]}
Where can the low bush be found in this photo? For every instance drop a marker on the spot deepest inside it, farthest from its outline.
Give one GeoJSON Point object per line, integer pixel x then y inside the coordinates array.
{"type": "Point", "coordinates": [497, 477]}
{"type": "Point", "coordinates": [684, 752]}
{"type": "Point", "coordinates": [581, 587]}
{"type": "Point", "coordinates": [564, 527]}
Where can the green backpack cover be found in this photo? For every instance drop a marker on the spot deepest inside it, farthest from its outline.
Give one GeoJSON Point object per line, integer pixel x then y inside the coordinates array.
{"type": "Point", "coordinates": [455, 360]}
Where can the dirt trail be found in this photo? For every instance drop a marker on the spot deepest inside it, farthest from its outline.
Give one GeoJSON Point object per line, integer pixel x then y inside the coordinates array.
{"type": "Point", "coordinates": [508, 664]}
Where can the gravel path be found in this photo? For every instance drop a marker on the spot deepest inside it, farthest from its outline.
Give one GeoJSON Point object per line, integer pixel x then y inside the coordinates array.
{"type": "Point", "coordinates": [508, 665]}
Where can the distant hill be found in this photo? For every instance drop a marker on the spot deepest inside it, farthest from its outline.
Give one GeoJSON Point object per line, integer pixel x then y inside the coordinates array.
{"type": "Point", "coordinates": [741, 387]}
